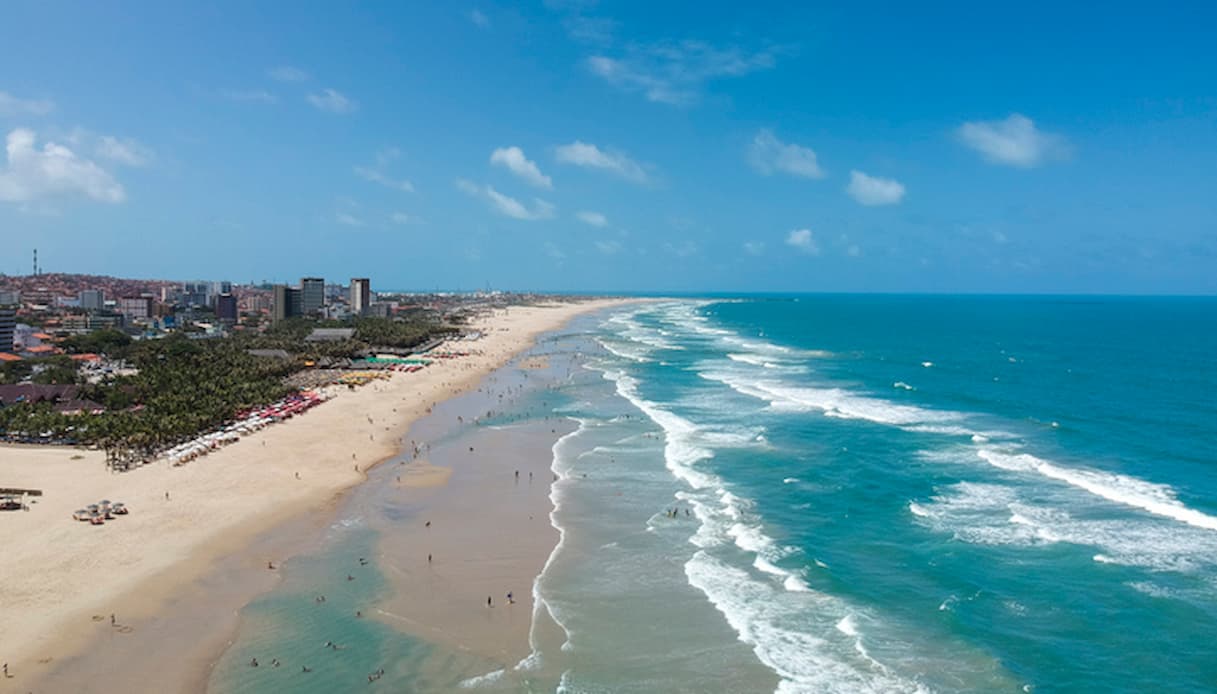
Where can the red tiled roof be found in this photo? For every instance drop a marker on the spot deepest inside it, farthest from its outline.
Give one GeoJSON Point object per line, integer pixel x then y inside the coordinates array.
{"type": "Point", "coordinates": [41, 349]}
{"type": "Point", "coordinates": [5, 356]}
{"type": "Point", "coordinates": [30, 392]}
{"type": "Point", "coordinates": [43, 336]}
{"type": "Point", "coordinates": [86, 357]}
{"type": "Point", "coordinates": [76, 406]}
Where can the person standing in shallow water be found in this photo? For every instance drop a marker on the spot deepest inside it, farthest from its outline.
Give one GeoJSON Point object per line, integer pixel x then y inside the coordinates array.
{"type": "Point", "coordinates": [489, 601]}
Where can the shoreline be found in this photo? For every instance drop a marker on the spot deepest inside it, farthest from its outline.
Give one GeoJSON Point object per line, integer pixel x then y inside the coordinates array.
{"type": "Point", "coordinates": [153, 555]}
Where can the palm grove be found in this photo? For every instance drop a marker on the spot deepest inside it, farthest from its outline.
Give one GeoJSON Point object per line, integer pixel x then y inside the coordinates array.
{"type": "Point", "coordinates": [185, 386]}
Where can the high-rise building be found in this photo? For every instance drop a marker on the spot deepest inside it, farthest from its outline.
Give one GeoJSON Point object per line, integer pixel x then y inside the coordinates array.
{"type": "Point", "coordinates": [361, 295]}
{"type": "Point", "coordinates": [196, 293]}
{"type": "Point", "coordinates": [313, 295]}
{"type": "Point", "coordinates": [10, 297]}
{"type": "Point", "coordinates": [136, 307]}
{"type": "Point", "coordinates": [92, 299]}
{"type": "Point", "coordinates": [216, 289]}
{"type": "Point", "coordinates": [8, 323]}
{"type": "Point", "coordinates": [286, 302]}
{"type": "Point", "coordinates": [39, 296]}
{"type": "Point", "coordinates": [226, 308]}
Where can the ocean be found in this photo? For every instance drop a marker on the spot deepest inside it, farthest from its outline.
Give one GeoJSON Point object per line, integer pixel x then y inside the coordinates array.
{"type": "Point", "coordinates": [852, 494]}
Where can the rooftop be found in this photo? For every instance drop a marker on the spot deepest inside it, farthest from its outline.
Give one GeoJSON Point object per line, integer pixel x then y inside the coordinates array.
{"type": "Point", "coordinates": [330, 334]}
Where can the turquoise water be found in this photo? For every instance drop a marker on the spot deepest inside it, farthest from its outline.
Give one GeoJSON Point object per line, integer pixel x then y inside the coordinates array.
{"type": "Point", "coordinates": [949, 494]}
{"type": "Point", "coordinates": [871, 494]}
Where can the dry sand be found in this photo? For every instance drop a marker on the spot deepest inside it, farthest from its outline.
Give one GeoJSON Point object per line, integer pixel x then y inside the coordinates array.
{"type": "Point", "coordinates": [58, 575]}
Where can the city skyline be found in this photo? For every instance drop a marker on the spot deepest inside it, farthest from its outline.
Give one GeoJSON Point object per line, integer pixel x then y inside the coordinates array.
{"type": "Point", "coordinates": [582, 146]}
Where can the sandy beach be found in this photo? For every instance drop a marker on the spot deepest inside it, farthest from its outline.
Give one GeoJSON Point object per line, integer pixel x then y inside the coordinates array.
{"type": "Point", "coordinates": [62, 579]}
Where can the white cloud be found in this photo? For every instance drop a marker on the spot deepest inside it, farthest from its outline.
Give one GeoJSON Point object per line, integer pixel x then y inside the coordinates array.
{"type": "Point", "coordinates": [873, 190]}
{"type": "Point", "coordinates": [32, 173]}
{"type": "Point", "coordinates": [332, 101]}
{"type": "Point", "coordinates": [375, 176]}
{"type": "Point", "coordinates": [401, 218]}
{"type": "Point", "coordinates": [674, 72]}
{"type": "Point", "coordinates": [754, 247]}
{"type": "Point", "coordinates": [514, 208]}
{"type": "Point", "coordinates": [593, 218]}
{"type": "Point", "coordinates": [479, 18]}
{"type": "Point", "coordinates": [507, 205]}
{"type": "Point", "coordinates": [768, 154]}
{"type": "Point", "coordinates": [802, 240]}
{"type": "Point", "coordinates": [582, 154]}
{"type": "Point", "coordinates": [347, 219]}
{"type": "Point", "coordinates": [513, 158]}
{"type": "Point", "coordinates": [287, 73]}
{"type": "Point", "coordinates": [124, 151]}
{"type": "Point", "coordinates": [1014, 141]}
{"type": "Point", "coordinates": [251, 95]}
{"type": "Point", "coordinates": [608, 247]}
{"type": "Point", "coordinates": [13, 106]}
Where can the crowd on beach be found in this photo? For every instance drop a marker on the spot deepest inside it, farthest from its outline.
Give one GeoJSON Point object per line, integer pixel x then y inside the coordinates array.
{"type": "Point", "coordinates": [246, 423]}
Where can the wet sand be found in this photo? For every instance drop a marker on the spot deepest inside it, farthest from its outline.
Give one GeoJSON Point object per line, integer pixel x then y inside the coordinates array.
{"type": "Point", "coordinates": [445, 527]}
{"type": "Point", "coordinates": [59, 576]}
{"type": "Point", "coordinates": [489, 535]}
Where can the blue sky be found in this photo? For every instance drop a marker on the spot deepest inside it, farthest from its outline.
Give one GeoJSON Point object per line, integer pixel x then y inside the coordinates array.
{"type": "Point", "coordinates": [616, 145]}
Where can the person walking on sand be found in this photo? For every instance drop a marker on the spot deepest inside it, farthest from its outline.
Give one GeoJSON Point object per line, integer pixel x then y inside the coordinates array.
{"type": "Point", "coordinates": [489, 601]}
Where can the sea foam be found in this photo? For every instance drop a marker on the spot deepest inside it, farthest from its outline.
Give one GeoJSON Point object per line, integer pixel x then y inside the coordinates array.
{"type": "Point", "coordinates": [1158, 499]}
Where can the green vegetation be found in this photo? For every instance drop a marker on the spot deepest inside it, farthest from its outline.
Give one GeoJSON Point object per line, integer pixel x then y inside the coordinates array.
{"type": "Point", "coordinates": [57, 370]}
{"type": "Point", "coordinates": [184, 386]}
{"type": "Point", "coordinates": [106, 341]}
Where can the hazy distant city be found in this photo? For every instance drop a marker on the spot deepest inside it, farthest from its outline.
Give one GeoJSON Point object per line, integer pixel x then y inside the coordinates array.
{"type": "Point", "coordinates": [41, 308]}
